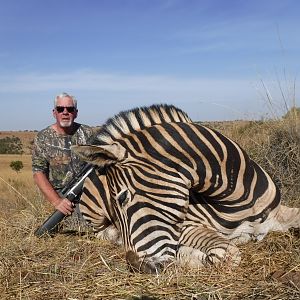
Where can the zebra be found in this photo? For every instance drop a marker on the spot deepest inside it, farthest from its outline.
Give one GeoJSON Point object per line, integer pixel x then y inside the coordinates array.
{"type": "Point", "coordinates": [169, 189]}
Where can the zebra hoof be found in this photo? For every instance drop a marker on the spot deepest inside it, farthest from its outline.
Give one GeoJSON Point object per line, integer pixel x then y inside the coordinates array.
{"type": "Point", "coordinates": [230, 256]}
{"type": "Point", "coordinates": [142, 265]}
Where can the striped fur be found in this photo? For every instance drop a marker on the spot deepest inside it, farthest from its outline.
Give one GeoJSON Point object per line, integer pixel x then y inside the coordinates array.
{"type": "Point", "coordinates": [169, 188]}
{"type": "Point", "coordinates": [138, 119]}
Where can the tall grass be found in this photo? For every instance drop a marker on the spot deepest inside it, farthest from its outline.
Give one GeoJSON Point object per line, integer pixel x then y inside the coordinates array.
{"type": "Point", "coordinates": [279, 148]}
{"type": "Point", "coordinates": [18, 194]}
{"type": "Point", "coordinates": [274, 141]}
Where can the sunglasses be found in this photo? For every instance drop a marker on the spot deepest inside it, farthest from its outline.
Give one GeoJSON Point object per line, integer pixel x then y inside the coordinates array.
{"type": "Point", "coordinates": [70, 109]}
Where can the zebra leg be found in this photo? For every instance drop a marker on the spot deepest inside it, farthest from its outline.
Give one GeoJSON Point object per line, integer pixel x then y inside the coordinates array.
{"type": "Point", "coordinates": [200, 247]}
{"type": "Point", "coordinates": [281, 220]}
{"type": "Point", "coordinates": [109, 233]}
{"type": "Point", "coordinates": [288, 217]}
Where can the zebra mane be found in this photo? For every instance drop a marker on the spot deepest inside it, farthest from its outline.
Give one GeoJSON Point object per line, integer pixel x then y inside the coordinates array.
{"type": "Point", "coordinates": [137, 119]}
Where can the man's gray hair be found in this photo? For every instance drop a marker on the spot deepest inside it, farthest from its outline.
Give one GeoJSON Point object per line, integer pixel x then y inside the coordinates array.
{"type": "Point", "coordinates": [62, 95]}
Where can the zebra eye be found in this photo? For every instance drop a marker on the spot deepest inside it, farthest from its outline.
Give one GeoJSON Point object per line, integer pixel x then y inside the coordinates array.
{"type": "Point", "coordinates": [122, 198]}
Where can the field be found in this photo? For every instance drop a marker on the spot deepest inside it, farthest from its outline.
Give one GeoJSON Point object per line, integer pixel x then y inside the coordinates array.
{"type": "Point", "coordinates": [75, 265]}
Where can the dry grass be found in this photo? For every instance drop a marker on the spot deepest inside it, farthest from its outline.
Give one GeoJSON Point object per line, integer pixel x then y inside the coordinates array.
{"type": "Point", "coordinates": [77, 266]}
{"type": "Point", "coordinates": [15, 188]}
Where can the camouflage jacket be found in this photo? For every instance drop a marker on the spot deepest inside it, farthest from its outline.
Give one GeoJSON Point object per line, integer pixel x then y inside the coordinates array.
{"type": "Point", "coordinates": [52, 154]}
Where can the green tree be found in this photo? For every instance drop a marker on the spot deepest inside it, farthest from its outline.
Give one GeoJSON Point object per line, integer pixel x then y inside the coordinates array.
{"type": "Point", "coordinates": [16, 165]}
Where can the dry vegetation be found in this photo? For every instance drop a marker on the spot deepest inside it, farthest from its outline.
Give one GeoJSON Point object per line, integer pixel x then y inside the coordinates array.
{"type": "Point", "coordinates": [77, 266]}
{"type": "Point", "coordinates": [25, 136]}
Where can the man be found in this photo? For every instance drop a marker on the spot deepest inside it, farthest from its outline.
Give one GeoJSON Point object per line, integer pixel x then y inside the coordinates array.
{"type": "Point", "coordinates": [53, 162]}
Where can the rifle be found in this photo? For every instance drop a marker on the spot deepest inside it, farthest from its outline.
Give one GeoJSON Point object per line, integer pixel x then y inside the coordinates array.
{"type": "Point", "coordinates": [72, 190]}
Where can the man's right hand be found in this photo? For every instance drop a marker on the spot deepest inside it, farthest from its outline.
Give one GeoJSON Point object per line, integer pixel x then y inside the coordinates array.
{"type": "Point", "coordinates": [62, 204]}
{"type": "Point", "coordinates": [65, 206]}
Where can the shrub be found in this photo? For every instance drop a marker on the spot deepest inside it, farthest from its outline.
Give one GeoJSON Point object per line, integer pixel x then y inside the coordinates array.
{"type": "Point", "coordinates": [16, 165]}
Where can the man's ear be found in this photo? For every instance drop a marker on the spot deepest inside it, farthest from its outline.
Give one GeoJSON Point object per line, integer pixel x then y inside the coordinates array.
{"type": "Point", "coordinates": [100, 155]}
{"type": "Point", "coordinates": [75, 114]}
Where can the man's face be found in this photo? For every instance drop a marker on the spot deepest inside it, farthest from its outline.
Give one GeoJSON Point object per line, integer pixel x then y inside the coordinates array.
{"type": "Point", "coordinates": [65, 113]}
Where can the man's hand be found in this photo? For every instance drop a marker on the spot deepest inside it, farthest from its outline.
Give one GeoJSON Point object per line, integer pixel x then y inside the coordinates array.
{"type": "Point", "coordinates": [65, 206]}
{"type": "Point", "coordinates": [61, 204]}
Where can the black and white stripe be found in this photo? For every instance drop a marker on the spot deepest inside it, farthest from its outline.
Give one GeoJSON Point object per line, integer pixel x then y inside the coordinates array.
{"type": "Point", "coordinates": [173, 188]}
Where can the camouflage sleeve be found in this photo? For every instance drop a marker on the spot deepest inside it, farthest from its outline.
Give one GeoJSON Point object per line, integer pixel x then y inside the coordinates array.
{"type": "Point", "coordinates": [39, 161]}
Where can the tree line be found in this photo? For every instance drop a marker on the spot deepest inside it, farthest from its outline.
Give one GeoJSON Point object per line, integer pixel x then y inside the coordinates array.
{"type": "Point", "coordinates": [11, 145]}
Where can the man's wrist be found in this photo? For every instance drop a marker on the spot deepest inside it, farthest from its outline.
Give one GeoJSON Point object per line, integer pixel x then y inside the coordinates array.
{"type": "Point", "coordinates": [56, 202]}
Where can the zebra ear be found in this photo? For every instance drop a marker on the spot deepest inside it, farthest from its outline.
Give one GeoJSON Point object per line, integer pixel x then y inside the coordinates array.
{"type": "Point", "coordinates": [100, 155]}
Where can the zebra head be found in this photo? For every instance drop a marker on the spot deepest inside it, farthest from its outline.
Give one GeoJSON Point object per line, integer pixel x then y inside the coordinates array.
{"type": "Point", "coordinates": [148, 205]}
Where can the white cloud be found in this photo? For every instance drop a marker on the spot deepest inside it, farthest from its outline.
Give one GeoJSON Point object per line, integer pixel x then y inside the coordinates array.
{"type": "Point", "coordinates": [108, 93]}
{"type": "Point", "coordinates": [93, 81]}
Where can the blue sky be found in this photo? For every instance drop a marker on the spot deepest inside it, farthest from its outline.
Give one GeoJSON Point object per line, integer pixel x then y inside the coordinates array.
{"type": "Point", "coordinates": [207, 57]}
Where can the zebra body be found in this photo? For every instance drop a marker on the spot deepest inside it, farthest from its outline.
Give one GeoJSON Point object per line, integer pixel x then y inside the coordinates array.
{"type": "Point", "coordinates": [170, 188]}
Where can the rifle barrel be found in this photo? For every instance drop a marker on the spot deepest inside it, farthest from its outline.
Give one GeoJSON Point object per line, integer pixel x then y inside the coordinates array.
{"type": "Point", "coordinates": [49, 225]}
